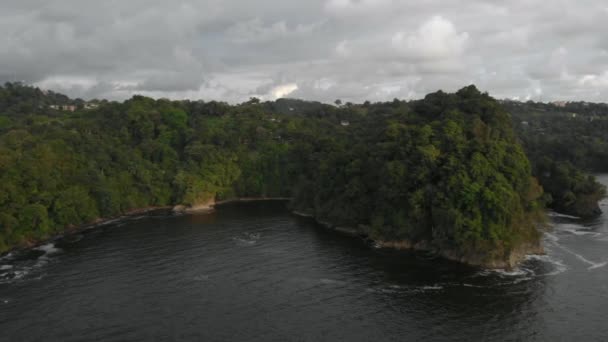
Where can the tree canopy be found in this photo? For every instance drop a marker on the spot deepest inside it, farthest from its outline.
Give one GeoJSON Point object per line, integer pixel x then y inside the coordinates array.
{"type": "Point", "coordinates": [447, 169]}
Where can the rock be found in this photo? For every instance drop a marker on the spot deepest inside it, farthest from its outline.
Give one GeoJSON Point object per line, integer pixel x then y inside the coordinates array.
{"type": "Point", "coordinates": [180, 208]}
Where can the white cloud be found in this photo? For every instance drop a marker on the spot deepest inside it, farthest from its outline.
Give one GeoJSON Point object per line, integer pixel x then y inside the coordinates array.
{"type": "Point", "coordinates": [358, 7]}
{"type": "Point", "coordinates": [283, 90]}
{"type": "Point", "coordinates": [355, 50]}
{"type": "Point", "coordinates": [254, 31]}
{"type": "Point", "coordinates": [343, 49]}
{"type": "Point", "coordinates": [595, 80]}
{"type": "Point", "coordinates": [436, 39]}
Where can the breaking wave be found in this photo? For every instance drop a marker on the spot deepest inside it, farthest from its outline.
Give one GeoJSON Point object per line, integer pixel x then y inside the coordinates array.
{"type": "Point", "coordinates": [247, 239]}
{"type": "Point", "coordinates": [24, 265]}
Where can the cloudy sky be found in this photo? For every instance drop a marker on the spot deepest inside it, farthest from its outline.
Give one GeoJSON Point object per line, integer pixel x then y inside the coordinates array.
{"type": "Point", "coordinates": [354, 50]}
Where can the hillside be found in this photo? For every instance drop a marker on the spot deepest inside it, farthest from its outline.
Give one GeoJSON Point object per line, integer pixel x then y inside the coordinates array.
{"type": "Point", "coordinates": [445, 173]}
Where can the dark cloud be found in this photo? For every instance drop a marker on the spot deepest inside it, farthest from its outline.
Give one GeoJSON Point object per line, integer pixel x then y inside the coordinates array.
{"type": "Point", "coordinates": [317, 49]}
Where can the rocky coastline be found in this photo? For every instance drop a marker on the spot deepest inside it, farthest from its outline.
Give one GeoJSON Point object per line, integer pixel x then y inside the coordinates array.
{"type": "Point", "coordinates": [77, 229]}
{"type": "Point", "coordinates": [508, 261]}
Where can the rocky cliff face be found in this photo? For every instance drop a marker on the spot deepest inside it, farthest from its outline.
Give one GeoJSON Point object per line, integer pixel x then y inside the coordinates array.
{"type": "Point", "coordinates": [499, 260]}
{"type": "Point", "coordinates": [507, 260]}
{"type": "Point", "coordinates": [202, 206]}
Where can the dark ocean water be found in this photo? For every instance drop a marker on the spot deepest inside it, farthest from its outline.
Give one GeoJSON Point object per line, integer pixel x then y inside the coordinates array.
{"type": "Point", "coordinates": [253, 272]}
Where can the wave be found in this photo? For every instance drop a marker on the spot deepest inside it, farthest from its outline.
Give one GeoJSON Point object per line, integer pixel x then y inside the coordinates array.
{"type": "Point", "coordinates": [22, 269]}
{"type": "Point", "coordinates": [526, 271]}
{"type": "Point", "coordinates": [390, 289]}
{"type": "Point", "coordinates": [49, 248]}
{"type": "Point", "coordinates": [8, 256]}
{"type": "Point", "coordinates": [244, 242]}
{"type": "Point", "coordinates": [576, 230]}
{"type": "Point", "coordinates": [598, 265]}
{"type": "Point", "coordinates": [326, 281]}
{"type": "Point", "coordinates": [592, 265]}
{"type": "Point", "coordinates": [107, 222]}
{"type": "Point", "coordinates": [554, 214]}
{"type": "Point", "coordinates": [502, 273]}
{"type": "Point", "coordinates": [580, 232]}
{"type": "Point", "coordinates": [558, 265]}
{"type": "Point", "coordinates": [247, 239]}
{"type": "Point", "coordinates": [202, 277]}
{"type": "Point", "coordinates": [432, 287]}
{"type": "Point", "coordinates": [551, 238]}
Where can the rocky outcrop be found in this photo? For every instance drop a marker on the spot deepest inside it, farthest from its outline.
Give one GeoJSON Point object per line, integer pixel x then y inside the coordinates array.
{"type": "Point", "coordinates": [210, 205]}
{"type": "Point", "coordinates": [201, 207]}
{"type": "Point", "coordinates": [507, 260]}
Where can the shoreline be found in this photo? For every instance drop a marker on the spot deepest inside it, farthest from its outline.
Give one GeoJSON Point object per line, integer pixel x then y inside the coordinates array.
{"type": "Point", "coordinates": [101, 221]}
{"type": "Point", "coordinates": [515, 257]}
{"type": "Point", "coordinates": [210, 205]}
{"type": "Point", "coordinates": [76, 229]}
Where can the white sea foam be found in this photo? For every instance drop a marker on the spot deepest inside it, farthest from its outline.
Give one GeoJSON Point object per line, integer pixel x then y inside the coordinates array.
{"type": "Point", "coordinates": [49, 248]}
{"type": "Point", "coordinates": [576, 230]}
{"type": "Point", "coordinates": [19, 274]}
{"type": "Point", "coordinates": [247, 239]}
{"type": "Point", "coordinates": [517, 272]}
{"type": "Point", "coordinates": [558, 265]}
{"type": "Point", "coordinates": [244, 242]}
{"type": "Point", "coordinates": [592, 264]}
{"type": "Point", "coordinates": [432, 287]}
{"type": "Point", "coordinates": [326, 281]}
{"type": "Point", "coordinates": [550, 237]}
{"type": "Point", "coordinates": [202, 277]}
{"type": "Point", "coordinates": [108, 222]}
{"type": "Point", "coordinates": [9, 256]}
{"type": "Point", "coordinates": [554, 214]}
{"type": "Point", "coordinates": [405, 289]}
{"type": "Point", "coordinates": [522, 279]}
{"type": "Point", "coordinates": [254, 236]}
{"type": "Point", "coordinates": [23, 269]}
{"type": "Point", "coordinates": [598, 265]}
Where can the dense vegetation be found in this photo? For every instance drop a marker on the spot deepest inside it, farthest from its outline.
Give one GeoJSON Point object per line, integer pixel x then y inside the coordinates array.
{"type": "Point", "coordinates": [565, 143]}
{"type": "Point", "coordinates": [446, 170]}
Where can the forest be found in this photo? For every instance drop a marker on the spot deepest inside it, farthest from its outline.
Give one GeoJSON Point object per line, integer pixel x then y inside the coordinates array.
{"type": "Point", "coordinates": [456, 171]}
{"type": "Point", "coordinates": [566, 143]}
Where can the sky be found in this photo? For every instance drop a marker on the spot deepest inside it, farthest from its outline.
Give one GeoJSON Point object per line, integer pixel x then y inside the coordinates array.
{"type": "Point", "coordinates": [353, 50]}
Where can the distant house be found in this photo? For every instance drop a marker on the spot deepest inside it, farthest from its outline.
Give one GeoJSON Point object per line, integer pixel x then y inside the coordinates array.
{"type": "Point", "coordinates": [90, 105]}
{"type": "Point", "coordinates": [68, 108]}
{"type": "Point", "coordinates": [560, 104]}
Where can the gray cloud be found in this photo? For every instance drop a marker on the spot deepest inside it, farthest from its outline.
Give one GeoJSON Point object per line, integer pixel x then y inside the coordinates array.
{"type": "Point", "coordinates": [355, 50]}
